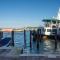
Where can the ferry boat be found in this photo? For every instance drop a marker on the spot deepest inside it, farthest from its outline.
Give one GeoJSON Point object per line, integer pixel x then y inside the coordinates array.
{"type": "Point", "coordinates": [52, 26]}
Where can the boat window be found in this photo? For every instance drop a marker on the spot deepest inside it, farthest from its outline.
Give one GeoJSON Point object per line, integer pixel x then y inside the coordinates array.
{"type": "Point", "coordinates": [53, 26]}
{"type": "Point", "coordinates": [48, 30]}
{"type": "Point", "coordinates": [54, 30]}
{"type": "Point", "coordinates": [54, 22]}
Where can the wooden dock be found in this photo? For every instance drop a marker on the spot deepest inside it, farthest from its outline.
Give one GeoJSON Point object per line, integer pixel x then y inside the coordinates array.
{"type": "Point", "coordinates": [31, 57]}
{"type": "Point", "coordinates": [13, 53]}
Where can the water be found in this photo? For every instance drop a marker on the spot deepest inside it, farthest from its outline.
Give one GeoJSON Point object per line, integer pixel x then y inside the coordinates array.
{"type": "Point", "coordinates": [45, 46]}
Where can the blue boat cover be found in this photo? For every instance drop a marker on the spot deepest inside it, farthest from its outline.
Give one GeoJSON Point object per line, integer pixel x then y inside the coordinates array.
{"type": "Point", "coordinates": [4, 41]}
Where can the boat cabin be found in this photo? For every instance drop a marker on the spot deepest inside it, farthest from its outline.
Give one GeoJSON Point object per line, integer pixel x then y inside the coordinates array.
{"type": "Point", "coordinates": [52, 23]}
{"type": "Point", "coordinates": [51, 26]}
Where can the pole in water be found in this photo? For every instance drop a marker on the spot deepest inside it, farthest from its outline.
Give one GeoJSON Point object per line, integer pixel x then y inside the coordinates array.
{"type": "Point", "coordinates": [24, 38]}
{"type": "Point", "coordinates": [1, 34]}
{"type": "Point", "coordinates": [37, 44]}
{"type": "Point", "coordinates": [12, 38]}
{"type": "Point", "coordinates": [55, 41]}
{"type": "Point", "coordinates": [30, 39]}
{"type": "Point", "coordinates": [34, 35]}
{"type": "Point", "coordinates": [37, 39]}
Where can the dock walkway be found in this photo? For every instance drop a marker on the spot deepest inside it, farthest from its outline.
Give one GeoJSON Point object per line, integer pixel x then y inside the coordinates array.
{"type": "Point", "coordinates": [30, 57]}
{"type": "Point", "coordinates": [15, 54]}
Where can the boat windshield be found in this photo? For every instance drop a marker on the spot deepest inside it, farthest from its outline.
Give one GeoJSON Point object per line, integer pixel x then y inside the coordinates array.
{"type": "Point", "coordinates": [48, 30]}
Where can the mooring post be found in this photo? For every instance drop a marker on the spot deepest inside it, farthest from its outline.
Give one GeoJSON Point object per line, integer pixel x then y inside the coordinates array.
{"type": "Point", "coordinates": [12, 38]}
{"type": "Point", "coordinates": [24, 38]}
{"type": "Point", "coordinates": [34, 35]}
{"type": "Point", "coordinates": [30, 39]}
{"type": "Point", "coordinates": [37, 39]}
{"type": "Point", "coordinates": [37, 44]}
{"type": "Point", "coordinates": [1, 34]}
{"type": "Point", "coordinates": [55, 41]}
{"type": "Point", "coordinates": [40, 35]}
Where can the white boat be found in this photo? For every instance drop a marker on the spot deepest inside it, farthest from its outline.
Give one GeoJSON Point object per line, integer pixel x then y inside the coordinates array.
{"type": "Point", "coordinates": [52, 26]}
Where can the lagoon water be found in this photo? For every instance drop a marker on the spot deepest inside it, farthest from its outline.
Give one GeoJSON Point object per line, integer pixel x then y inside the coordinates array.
{"type": "Point", "coordinates": [45, 46]}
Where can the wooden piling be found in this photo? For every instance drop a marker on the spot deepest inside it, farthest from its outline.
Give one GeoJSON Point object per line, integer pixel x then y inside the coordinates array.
{"type": "Point", "coordinates": [34, 35]}
{"type": "Point", "coordinates": [37, 39]}
{"type": "Point", "coordinates": [55, 41]}
{"type": "Point", "coordinates": [12, 38]}
{"type": "Point", "coordinates": [30, 39]}
{"type": "Point", "coordinates": [37, 44]}
{"type": "Point", "coordinates": [1, 35]}
{"type": "Point", "coordinates": [24, 38]}
{"type": "Point", "coordinates": [39, 34]}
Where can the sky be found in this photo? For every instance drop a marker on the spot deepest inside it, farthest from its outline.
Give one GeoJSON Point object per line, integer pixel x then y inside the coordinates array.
{"type": "Point", "coordinates": [23, 13]}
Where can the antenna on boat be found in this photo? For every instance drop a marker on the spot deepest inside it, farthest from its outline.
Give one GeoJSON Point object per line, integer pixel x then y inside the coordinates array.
{"type": "Point", "coordinates": [58, 15]}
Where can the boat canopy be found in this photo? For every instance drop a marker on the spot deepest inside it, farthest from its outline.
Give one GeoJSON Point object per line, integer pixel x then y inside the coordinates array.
{"type": "Point", "coordinates": [49, 20]}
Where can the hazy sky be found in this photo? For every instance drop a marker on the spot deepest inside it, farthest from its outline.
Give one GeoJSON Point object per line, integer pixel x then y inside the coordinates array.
{"type": "Point", "coordinates": [20, 13]}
